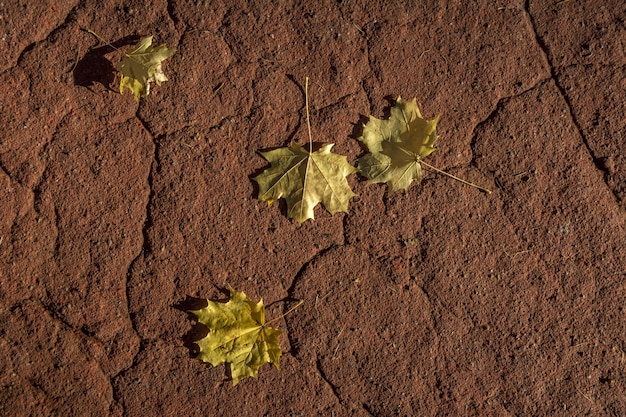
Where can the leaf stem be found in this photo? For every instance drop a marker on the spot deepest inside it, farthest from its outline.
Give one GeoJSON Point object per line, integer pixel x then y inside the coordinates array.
{"type": "Point", "coordinates": [455, 177]}
{"type": "Point", "coordinates": [101, 39]}
{"type": "Point", "coordinates": [288, 311]}
{"type": "Point", "coordinates": [308, 122]}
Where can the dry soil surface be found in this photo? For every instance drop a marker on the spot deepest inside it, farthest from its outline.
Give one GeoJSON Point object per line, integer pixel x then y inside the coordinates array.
{"type": "Point", "coordinates": [438, 301]}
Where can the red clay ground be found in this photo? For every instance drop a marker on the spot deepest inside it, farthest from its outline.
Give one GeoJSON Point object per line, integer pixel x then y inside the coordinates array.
{"type": "Point", "coordinates": [438, 301]}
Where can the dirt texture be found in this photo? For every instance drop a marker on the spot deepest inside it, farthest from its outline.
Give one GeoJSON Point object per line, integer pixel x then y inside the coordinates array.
{"type": "Point", "coordinates": [438, 301]}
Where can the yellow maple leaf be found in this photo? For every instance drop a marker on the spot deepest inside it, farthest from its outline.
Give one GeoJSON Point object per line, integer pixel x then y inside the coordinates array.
{"type": "Point", "coordinates": [142, 65]}
{"type": "Point", "coordinates": [306, 178]}
{"type": "Point", "coordinates": [397, 146]}
{"type": "Point", "coordinates": [238, 335]}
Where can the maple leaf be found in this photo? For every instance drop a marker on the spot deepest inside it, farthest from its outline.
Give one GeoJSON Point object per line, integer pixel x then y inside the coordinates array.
{"type": "Point", "coordinates": [397, 146]}
{"type": "Point", "coordinates": [305, 178]}
{"type": "Point", "coordinates": [237, 335]}
{"type": "Point", "coordinates": [141, 66]}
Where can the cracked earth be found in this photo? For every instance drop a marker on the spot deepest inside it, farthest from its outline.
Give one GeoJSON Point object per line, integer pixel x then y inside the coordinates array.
{"type": "Point", "coordinates": [437, 301]}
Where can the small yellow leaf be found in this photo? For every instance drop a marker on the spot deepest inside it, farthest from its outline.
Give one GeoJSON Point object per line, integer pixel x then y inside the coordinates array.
{"type": "Point", "coordinates": [141, 66]}
{"type": "Point", "coordinates": [397, 146]}
{"type": "Point", "coordinates": [305, 179]}
{"type": "Point", "coordinates": [237, 335]}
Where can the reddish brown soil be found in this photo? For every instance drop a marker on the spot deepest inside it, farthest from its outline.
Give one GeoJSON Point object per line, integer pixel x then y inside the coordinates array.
{"type": "Point", "coordinates": [438, 301]}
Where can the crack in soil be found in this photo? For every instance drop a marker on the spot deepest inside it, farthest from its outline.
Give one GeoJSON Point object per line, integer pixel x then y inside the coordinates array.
{"type": "Point", "coordinates": [539, 83]}
{"type": "Point", "coordinates": [368, 410]}
{"type": "Point", "coordinates": [295, 350]}
{"type": "Point", "coordinates": [305, 265]}
{"type": "Point", "coordinates": [499, 104]}
{"type": "Point", "coordinates": [4, 170]}
{"type": "Point", "coordinates": [333, 388]}
{"type": "Point", "coordinates": [171, 14]}
{"type": "Point", "coordinates": [66, 20]}
{"type": "Point", "coordinates": [145, 247]}
{"type": "Point", "coordinates": [38, 388]}
{"type": "Point", "coordinates": [36, 192]}
{"type": "Point", "coordinates": [79, 333]}
{"type": "Point", "coordinates": [117, 395]}
{"type": "Point", "coordinates": [54, 315]}
{"type": "Point", "coordinates": [36, 189]}
{"type": "Point", "coordinates": [570, 108]}
{"type": "Point", "coordinates": [337, 103]}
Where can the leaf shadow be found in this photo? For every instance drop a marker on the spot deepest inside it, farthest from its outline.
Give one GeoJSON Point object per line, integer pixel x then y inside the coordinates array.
{"type": "Point", "coordinates": [94, 67]}
{"type": "Point", "coordinates": [298, 84]}
{"type": "Point", "coordinates": [198, 330]}
{"type": "Point", "coordinates": [357, 129]}
{"type": "Point", "coordinates": [387, 110]}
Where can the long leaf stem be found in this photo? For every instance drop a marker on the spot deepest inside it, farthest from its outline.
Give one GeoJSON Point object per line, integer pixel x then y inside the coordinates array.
{"type": "Point", "coordinates": [101, 39]}
{"type": "Point", "coordinates": [455, 177]}
{"type": "Point", "coordinates": [308, 122]}
{"type": "Point", "coordinates": [284, 314]}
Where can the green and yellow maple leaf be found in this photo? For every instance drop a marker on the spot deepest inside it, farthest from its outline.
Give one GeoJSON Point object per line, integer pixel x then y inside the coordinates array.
{"type": "Point", "coordinates": [238, 335]}
{"type": "Point", "coordinates": [304, 179]}
{"type": "Point", "coordinates": [397, 146]}
{"type": "Point", "coordinates": [142, 65]}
